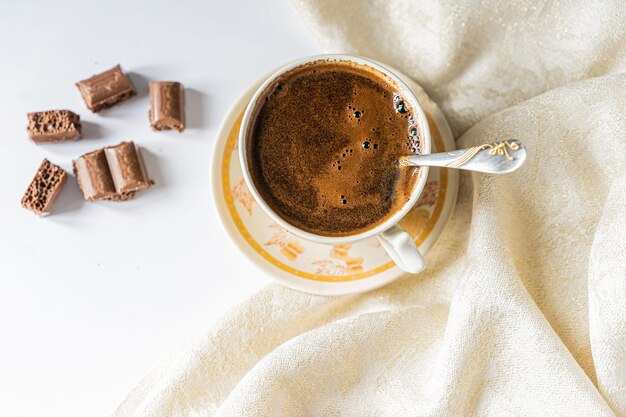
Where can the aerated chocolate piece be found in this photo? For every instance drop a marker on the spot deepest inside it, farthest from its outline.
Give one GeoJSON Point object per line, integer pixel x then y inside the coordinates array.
{"type": "Point", "coordinates": [106, 89]}
{"type": "Point", "coordinates": [114, 173]}
{"type": "Point", "coordinates": [127, 168]}
{"type": "Point", "coordinates": [53, 126]}
{"type": "Point", "coordinates": [167, 106]}
{"type": "Point", "coordinates": [93, 176]}
{"type": "Point", "coordinates": [44, 189]}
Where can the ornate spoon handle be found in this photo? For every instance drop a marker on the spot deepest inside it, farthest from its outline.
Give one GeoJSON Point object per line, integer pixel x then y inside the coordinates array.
{"type": "Point", "coordinates": [493, 158]}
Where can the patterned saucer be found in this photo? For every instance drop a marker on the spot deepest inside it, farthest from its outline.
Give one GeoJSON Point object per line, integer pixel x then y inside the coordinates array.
{"type": "Point", "coordinates": [313, 267]}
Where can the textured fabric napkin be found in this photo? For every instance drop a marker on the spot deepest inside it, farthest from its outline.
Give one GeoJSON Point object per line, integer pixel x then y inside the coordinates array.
{"type": "Point", "coordinates": [522, 308]}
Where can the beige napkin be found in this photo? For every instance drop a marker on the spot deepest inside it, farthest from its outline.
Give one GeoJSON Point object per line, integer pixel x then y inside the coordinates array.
{"type": "Point", "coordinates": [522, 309]}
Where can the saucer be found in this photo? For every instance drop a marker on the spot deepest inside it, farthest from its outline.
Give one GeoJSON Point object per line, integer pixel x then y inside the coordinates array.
{"type": "Point", "coordinates": [313, 267]}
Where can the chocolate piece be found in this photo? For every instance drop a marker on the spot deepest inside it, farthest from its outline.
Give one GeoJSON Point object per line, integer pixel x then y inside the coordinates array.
{"type": "Point", "coordinates": [115, 173]}
{"type": "Point", "coordinates": [53, 126]}
{"type": "Point", "coordinates": [167, 106]}
{"type": "Point", "coordinates": [106, 89]}
{"type": "Point", "coordinates": [93, 176]}
{"type": "Point", "coordinates": [127, 168]}
{"type": "Point", "coordinates": [44, 189]}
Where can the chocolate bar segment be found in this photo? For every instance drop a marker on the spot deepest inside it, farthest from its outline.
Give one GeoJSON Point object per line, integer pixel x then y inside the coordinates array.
{"type": "Point", "coordinates": [53, 126]}
{"type": "Point", "coordinates": [93, 176]}
{"type": "Point", "coordinates": [44, 189]}
{"type": "Point", "coordinates": [115, 173]}
{"type": "Point", "coordinates": [167, 106]}
{"type": "Point", "coordinates": [127, 167]}
{"type": "Point", "coordinates": [106, 89]}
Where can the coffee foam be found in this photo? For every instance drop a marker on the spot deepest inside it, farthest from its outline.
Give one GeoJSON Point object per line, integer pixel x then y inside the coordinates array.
{"type": "Point", "coordinates": [325, 139]}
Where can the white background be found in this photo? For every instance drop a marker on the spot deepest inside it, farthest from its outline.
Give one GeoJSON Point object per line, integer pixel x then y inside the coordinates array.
{"type": "Point", "coordinates": [93, 296]}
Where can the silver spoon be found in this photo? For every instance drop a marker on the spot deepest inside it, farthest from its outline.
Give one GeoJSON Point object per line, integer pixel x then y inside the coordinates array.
{"type": "Point", "coordinates": [493, 158]}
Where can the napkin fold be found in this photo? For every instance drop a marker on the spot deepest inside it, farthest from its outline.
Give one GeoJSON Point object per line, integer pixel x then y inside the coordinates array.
{"type": "Point", "coordinates": [522, 308]}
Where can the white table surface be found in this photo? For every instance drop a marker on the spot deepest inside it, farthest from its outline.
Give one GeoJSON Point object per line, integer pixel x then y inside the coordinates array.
{"type": "Point", "coordinates": [93, 296]}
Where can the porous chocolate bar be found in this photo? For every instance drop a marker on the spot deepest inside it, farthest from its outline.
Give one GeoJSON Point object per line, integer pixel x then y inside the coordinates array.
{"type": "Point", "coordinates": [93, 176]}
{"type": "Point", "coordinates": [53, 126]}
{"type": "Point", "coordinates": [106, 89]}
{"type": "Point", "coordinates": [127, 167]}
{"type": "Point", "coordinates": [44, 189]}
{"type": "Point", "coordinates": [114, 173]}
{"type": "Point", "coordinates": [167, 106]}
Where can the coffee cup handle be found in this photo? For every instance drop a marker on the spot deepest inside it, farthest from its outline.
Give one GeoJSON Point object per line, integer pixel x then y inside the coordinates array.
{"type": "Point", "coordinates": [402, 250]}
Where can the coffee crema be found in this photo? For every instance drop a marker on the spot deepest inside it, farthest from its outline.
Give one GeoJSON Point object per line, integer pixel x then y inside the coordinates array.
{"type": "Point", "coordinates": [323, 147]}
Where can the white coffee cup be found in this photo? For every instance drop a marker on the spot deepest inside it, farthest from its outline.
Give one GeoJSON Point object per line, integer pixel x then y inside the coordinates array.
{"type": "Point", "coordinates": [397, 242]}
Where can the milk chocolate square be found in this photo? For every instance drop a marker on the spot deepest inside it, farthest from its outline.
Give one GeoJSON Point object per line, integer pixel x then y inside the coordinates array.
{"type": "Point", "coordinates": [167, 106]}
{"type": "Point", "coordinates": [53, 126]}
{"type": "Point", "coordinates": [44, 189]}
{"type": "Point", "coordinates": [114, 173]}
{"type": "Point", "coordinates": [106, 89]}
{"type": "Point", "coordinates": [127, 167]}
{"type": "Point", "coordinates": [93, 176]}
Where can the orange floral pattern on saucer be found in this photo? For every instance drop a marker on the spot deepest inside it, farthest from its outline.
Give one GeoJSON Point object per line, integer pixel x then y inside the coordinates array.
{"type": "Point", "coordinates": [339, 262]}
{"type": "Point", "coordinates": [243, 196]}
{"type": "Point", "coordinates": [288, 244]}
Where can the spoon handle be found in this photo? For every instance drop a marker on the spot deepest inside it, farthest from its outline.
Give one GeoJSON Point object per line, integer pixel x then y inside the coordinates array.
{"type": "Point", "coordinates": [493, 158]}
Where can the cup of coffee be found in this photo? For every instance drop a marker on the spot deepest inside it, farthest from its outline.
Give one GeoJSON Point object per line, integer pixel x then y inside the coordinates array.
{"type": "Point", "coordinates": [320, 144]}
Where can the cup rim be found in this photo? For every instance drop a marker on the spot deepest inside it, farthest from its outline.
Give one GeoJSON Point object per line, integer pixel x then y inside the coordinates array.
{"type": "Point", "coordinates": [405, 92]}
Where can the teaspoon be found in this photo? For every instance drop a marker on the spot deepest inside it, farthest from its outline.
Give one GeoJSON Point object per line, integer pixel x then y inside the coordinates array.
{"type": "Point", "coordinates": [499, 157]}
